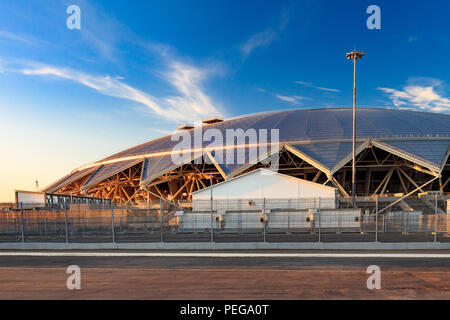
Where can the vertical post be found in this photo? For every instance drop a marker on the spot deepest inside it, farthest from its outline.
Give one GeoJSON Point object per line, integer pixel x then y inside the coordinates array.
{"type": "Point", "coordinates": [39, 227]}
{"type": "Point", "coordinates": [161, 220]}
{"type": "Point", "coordinates": [211, 206]}
{"type": "Point", "coordinates": [148, 213]}
{"type": "Point", "coordinates": [403, 222]}
{"type": "Point", "coordinates": [320, 222]}
{"type": "Point", "coordinates": [354, 135]}
{"type": "Point", "coordinates": [318, 212]}
{"type": "Point", "coordinates": [112, 223]}
{"type": "Point", "coordinates": [354, 55]}
{"type": "Point", "coordinates": [264, 219]}
{"type": "Point", "coordinates": [22, 223]}
{"type": "Point", "coordinates": [376, 219]}
{"type": "Point", "coordinates": [289, 223]}
{"type": "Point", "coordinates": [65, 221]}
{"type": "Point", "coordinates": [435, 218]}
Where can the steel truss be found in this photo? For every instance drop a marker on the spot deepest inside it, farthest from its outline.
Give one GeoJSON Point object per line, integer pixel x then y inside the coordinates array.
{"type": "Point", "coordinates": [380, 171]}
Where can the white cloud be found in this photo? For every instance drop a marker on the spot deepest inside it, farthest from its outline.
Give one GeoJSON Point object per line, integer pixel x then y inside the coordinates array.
{"type": "Point", "coordinates": [191, 103]}
{"type": "Point", "coordinates": [261, 39]}
{"type": "Point", "coordinates": [310, 85]}
{"type": "Point", "coordinates": [414, 38]}
{"type": "Point", "coordinates": [265, 38]}
{"type": "Point", "coordinates": [422, 97]}
{"type": "Point", "coordinates": [187, 79]}
{"type": "Point", "coordinates": [2, 65]}
{"type": "Point", "coordinates": [290, 99]}
{"type": "Point", "coordinates": [23, 38]}
{"type": "Point", "coordinates": [106, 48]}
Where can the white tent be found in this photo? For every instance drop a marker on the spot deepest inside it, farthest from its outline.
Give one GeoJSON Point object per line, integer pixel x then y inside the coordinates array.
{"type": "Point", "coordinates": [269, 185]}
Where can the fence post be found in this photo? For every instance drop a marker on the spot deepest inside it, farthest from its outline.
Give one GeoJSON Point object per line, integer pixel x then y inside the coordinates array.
{"type": "Point", "coordinates": [289, 223]}
{"type": "Point", "coordinates": [113, 233]}
{"type": "Point", "coordinates": [320, 222]}
{"type": "Point", "coordinates": [22, 223]}
{"type": "Point", "coordinates": [318, 211]}
{"type": "Point", "coordinates": [435, 218]}
{"type": "Point", "coordinates": [65, 220]}
{"type": "Point", "coordinates": [403, 222]}
{"type": "Point", "coordinates": [376, 219]}
{"type": "Point", "coordinates": [211, 207]}
{"type": "Point", "coordinates": [264, 219]}
{"type": "Point", "coordinates": [161, 221]}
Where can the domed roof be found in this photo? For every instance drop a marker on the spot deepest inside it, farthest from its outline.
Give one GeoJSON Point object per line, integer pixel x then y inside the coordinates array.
{"type": "Point", "coordinates": [321, 125]}
{"type": "Point", "coordinates": [322, 135]}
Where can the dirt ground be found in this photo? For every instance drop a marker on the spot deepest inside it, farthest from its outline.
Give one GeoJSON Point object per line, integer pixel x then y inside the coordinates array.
{"type": "Point", "coordinates": [246, 282]}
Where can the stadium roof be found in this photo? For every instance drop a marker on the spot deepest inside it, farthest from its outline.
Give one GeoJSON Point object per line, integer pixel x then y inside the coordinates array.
{"type": "Point", "coordinates": [320, 136]}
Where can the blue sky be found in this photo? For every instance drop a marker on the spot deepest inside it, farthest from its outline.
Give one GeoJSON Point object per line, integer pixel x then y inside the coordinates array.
{"type": "Point", "coordinates": [137, 69]}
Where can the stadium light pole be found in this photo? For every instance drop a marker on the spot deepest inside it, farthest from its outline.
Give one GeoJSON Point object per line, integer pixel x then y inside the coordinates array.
{"type": "Point", "coordinates": [354, 55]}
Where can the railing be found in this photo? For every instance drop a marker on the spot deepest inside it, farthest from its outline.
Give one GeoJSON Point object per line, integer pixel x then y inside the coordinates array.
{"type": "Point", "coordinates": [270, 222]}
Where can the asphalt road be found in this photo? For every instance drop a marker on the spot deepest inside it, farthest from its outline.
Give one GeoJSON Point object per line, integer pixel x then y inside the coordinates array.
{"type": "Point", "coordinates": [216, 262]}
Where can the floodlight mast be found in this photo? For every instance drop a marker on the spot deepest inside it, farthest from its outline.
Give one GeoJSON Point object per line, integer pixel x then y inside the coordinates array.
{"type": "Point", "coordinates": [354, 55]}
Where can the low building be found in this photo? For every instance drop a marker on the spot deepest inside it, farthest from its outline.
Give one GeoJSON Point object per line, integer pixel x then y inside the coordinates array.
{"type": "Point", "coordinates": [276, 190]}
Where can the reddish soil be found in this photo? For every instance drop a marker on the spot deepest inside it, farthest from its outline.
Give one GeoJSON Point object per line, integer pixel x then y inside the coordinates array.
{"type": "Point", "coordinates": [330, 282]}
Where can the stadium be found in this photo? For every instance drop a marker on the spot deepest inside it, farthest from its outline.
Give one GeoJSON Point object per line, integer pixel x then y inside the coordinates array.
{"type": "Point", "coordinates": [398, 153]}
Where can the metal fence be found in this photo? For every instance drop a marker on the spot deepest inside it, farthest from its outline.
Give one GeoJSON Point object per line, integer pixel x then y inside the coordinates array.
{"type": "Point", "coordinates": [265, 221]}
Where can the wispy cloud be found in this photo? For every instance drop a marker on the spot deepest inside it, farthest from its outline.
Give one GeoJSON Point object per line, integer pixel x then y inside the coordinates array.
{"type": "Point", "coordinates": [191, 103]}
{"type": "Point", "coordinates": [2, 65]}
{"type": "Point", "coordinates": [423, 97]}
{"type": "Point", "coordinates": [407, 38]}
{"type": "Point", "coordinates": [102, 34]}
{"type": "Point", "coordinates": [106, 49]}
{"type": "Point", "coordinates": [187, 80]}
{"type": "Point", "coordinates": [266, 37]}
{"type": "Point", "coordinates": [290, 99]}
{"type": "Point", "coordinates": [19, 37]}
{"type": "Point", "coordinates": [310, 85]}
{"type": "Point", "coordinates": [98, 40]}
{"type": "Point", "coordinates": [414, 38]}
{"type": "Point", "coordinates": [261, 39]}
